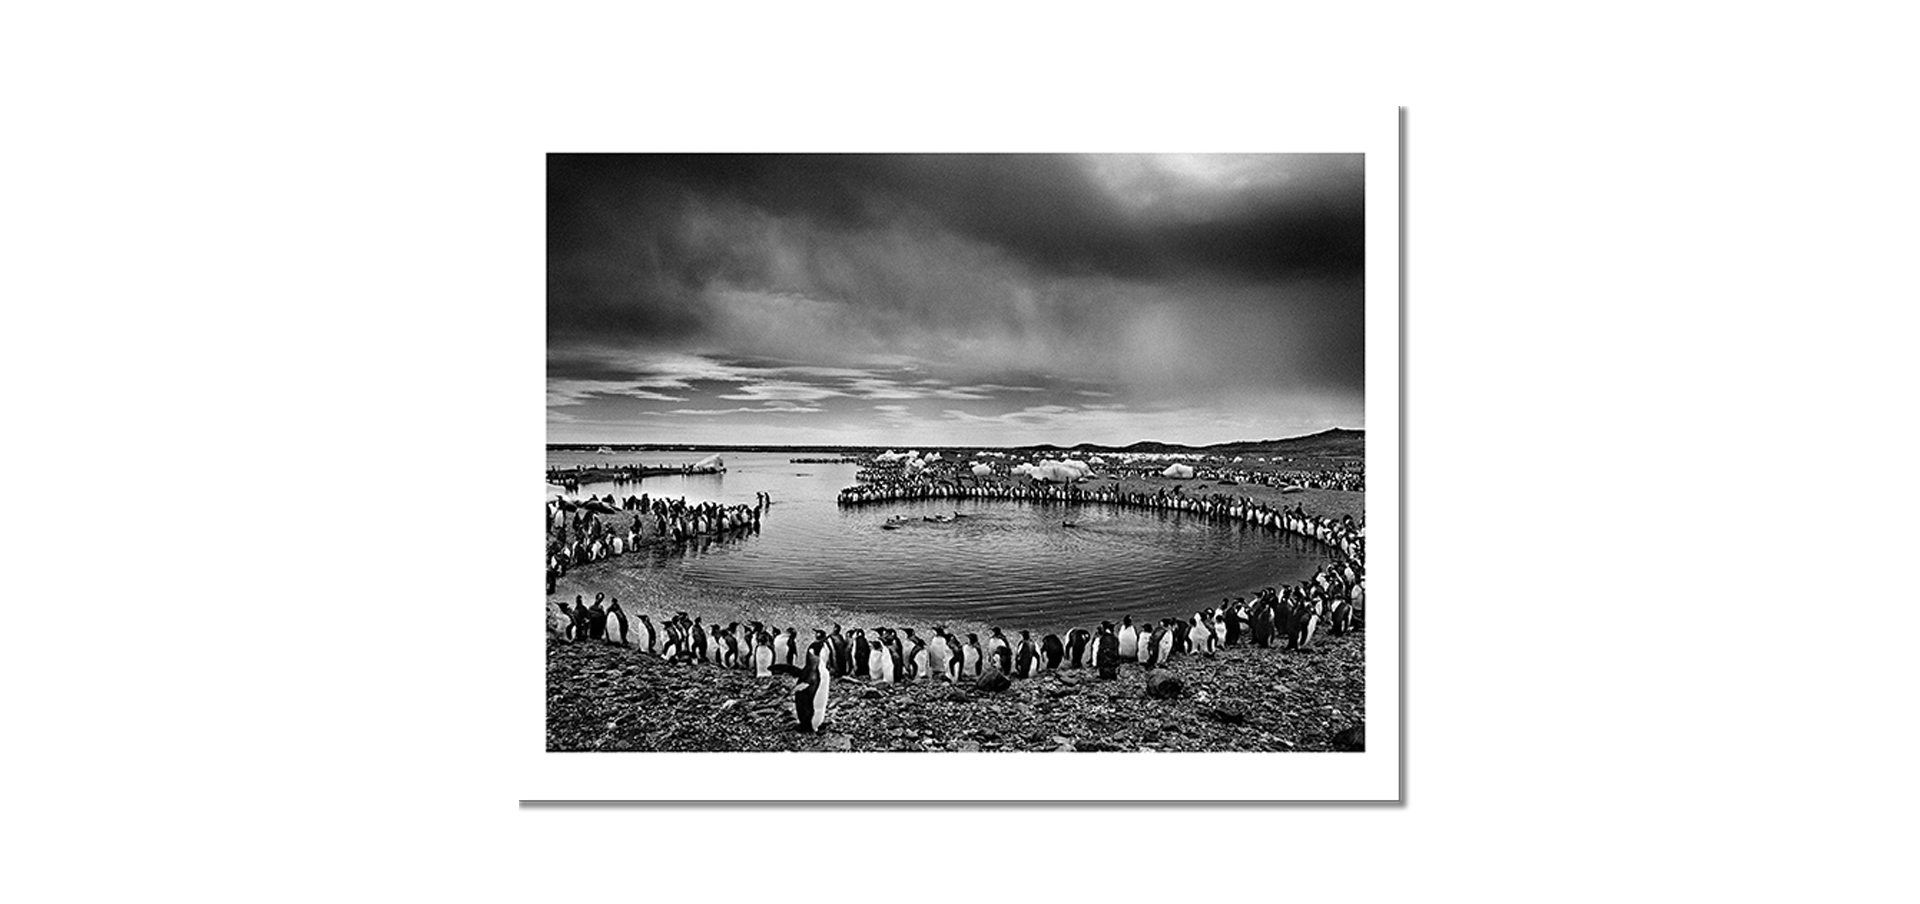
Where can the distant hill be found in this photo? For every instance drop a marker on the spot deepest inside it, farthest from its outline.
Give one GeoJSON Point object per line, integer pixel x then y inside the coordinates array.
{"type": "Point", "coordinates": [1336, 443]}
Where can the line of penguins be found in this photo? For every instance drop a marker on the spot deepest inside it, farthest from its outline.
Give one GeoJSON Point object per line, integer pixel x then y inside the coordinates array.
{"type": "Point", "coordinates": [888, 656]}
{"type": "Point", "coordinates": [1344, 533]}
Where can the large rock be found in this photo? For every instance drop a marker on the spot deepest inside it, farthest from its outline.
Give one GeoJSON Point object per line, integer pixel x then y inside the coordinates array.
{"type": "Point", "coordinates": [1232, 712]}
{"type": "Point", "coordinates": [1163, 686]}
{"type": "Point", "coordinates": [992, 681]}
{"type": "Point", "coordinates": [1352, 740]}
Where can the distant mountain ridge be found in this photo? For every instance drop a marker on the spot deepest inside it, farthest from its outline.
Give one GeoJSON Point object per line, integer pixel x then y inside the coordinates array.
{"type": "Point", "coordinates": [1336, 441]}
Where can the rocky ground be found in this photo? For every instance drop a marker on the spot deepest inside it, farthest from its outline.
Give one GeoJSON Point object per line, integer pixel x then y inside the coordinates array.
{"type": "Point", "coordinates": [605, 697]}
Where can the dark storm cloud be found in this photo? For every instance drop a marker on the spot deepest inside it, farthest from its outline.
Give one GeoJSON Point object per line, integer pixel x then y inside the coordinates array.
{"type": "Point", "coordinates": [723, 282]}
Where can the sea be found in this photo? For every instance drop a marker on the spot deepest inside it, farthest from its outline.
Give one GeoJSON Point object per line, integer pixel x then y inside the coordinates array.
{"type": "Point", "coordinates": [1002, 562]}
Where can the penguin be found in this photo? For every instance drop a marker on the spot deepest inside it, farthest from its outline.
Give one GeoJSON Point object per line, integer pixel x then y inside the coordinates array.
{"type": "Point", "coordinates": [839, 654]}
{"type": "Point", "coordinates": [976, 661]}
{"type": "Point", "coordinates": [597, 618]}
{"type": "Point", "coordinates": [862, 654]}
{"type": "Point", "coordinates": [919, 665]}
{"type": "Point", "coordinates": [879, 664]}
{"type": "Point", "coordinates": [1129, 638]}
{"type": "Point", "coordinates": [788, 650]}
{"type": "Point", "coordinates": [646, 637]}
{"type": "Point", "coordinates": [1077, 648]}
{"type": "Point", "coordinates": [897, 655]}
{"type": "Point", "coordinates": [1051, 651]}
{"type": "Point", "coordinates": [616, 623]}
{"type": "Point", "coordinates": [719, 646]}
{"type": "Point", "coordinates": [762, 655]}
{"type": "Point", "coordinates": [1262, 623]}
{"type": "Point", "coordinates": [1182, 636]}
{"type": "Point", "coordinates": [1230, 620]}
{"type": "Point", "coordinates": [1144, 649]}
{"type": "Point", "coordinates": [578, 620]}
{"type": "Point", "coordinates": [560, 621]}
{"type": "Point", "coordinates": [697, 641]}
{"type": "Point", "coordinates": [810, 692]}
{"type": "Point", "coordinates": [1106, 652]}
{"type": "Point", "coordinates": [1025, 658]}
{"type": "Point", "coordinates": [955, 664]}
{"type": "Point", "coordinates": [999, 652]}
{"type": "Point", "coordinates": [938, 654]}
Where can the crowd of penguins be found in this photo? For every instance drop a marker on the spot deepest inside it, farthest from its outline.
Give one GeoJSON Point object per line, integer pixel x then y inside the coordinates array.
{"type": "Point", "coordinates": [1335, 597]}
{"type": "Point", "coordinates": [599, 528]}
{"type": "Point", "coordinates": [1343, 533]}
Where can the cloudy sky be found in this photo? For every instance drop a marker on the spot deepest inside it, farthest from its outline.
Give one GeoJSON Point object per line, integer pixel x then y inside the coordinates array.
{"type": "Point", "coordinates": [953, 300]}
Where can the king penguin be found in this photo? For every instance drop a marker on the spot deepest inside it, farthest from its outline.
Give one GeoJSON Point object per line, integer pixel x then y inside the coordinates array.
{"type": "Point", "coordinates": [1129, 638]}
{"type": "Point", "coordinates": [1026, 658]}
{"type": "Point", "coordinates": [810, 692]}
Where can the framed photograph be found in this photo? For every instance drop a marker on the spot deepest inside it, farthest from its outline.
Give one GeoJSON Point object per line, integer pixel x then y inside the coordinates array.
{"type": "Point", "coordinates": [880, 476]}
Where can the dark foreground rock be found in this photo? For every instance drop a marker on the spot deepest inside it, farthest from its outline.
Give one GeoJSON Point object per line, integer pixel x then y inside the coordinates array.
{"type": "Point", "coordinates": [603, 697]}
{"type": "Point", "coordinates": [1164, 685]}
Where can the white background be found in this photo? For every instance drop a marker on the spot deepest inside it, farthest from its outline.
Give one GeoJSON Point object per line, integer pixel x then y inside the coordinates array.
{"type": "Point", "coordinates": [1658, 438]}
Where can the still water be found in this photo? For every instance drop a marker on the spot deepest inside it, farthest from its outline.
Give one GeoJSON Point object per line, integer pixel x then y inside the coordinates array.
{"type": "Point", "coordinates": [1004, 562]}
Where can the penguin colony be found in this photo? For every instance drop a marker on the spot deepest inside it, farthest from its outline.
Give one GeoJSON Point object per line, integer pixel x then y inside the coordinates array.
{"type": "Point", "coordinates": [1334, 598]}
{"type": "Point", "coordinates": [599, 528]}
{"type": "Point", "coordinates": [1343, 533]}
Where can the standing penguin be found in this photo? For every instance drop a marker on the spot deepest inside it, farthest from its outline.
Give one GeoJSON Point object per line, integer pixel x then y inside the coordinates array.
{"type": "Point", "coordinates": [597, 618]}
{"type": "Point", "coordinates": [616, 623]}
{"type": "Point", "coordinates": [919, 664]}
{"type": "Point", "coordinates": [762, 655]}
{"type": "Point", "coordinates": [999, 652]}
{"type": "Point", "coordinates": [879, 664]}
{"type": "Point", "coordinates": [839, 656]}
{"type": "Point", "coordinates": [1106, 652]}
{"type": "Point", "coordinates": [955, 664]}
{"type": "Point", "coordinates": [938, 654]}
{"type": "Point", "coordinates": [1129, 638]}
{"type": "Point", "coordinates": [862, 653]}
{"type": "Point", "coordinates": [787, 651]}
{"type": "Point", "coordinates": [976, 660]}
{"type": "Point", "coordinates": [646, 637]}
{"type": "Point", "coordinates": [896, 654]}
{"type": "Point", "coordinates": [1026, 657]}
{"type": "Point", "coordinates": [697, 637]}
{"type": "Point", "coordinates": [810, 693]}
{"type": "Point", "coordinates": [1051, 651]}
{"type": "Point", "coordinates": [1262, 622]}
{"type": "Point", "coordinates": [1078, 648]}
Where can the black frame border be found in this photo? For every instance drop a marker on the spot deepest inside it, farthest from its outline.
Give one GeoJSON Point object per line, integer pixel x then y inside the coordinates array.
{"type": "Point", "coordinates": [1404, 803]}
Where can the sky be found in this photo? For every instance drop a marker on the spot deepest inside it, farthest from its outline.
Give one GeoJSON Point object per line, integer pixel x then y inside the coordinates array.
{"type": "Point", "coordinates": [953, 300]}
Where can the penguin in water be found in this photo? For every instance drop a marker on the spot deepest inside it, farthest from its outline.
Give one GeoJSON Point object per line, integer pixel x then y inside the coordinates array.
{"type": "Point", "coordinates": [1026, 658]}
{"type": "Point", "coordinates": [862, 652]}
{"type": "Point", "coordinates": [976, 660]}
{"type": "Point", "coordinates": [999, 652]}
{"type": "Point", "coordinates": [1106, 652]}
{"type": "Point", "coordinates": [1129, 638]}
{"type": "Point", "coordinates": [616, 630]}
{"type": "Point", "coordinates": [1051, 651]}
{"type": "Point", "coordinates": [810, 692]}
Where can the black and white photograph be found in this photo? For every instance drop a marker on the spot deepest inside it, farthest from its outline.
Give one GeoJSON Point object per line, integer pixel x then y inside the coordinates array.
{"type": "Point", "coordinates": [958, 453]}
